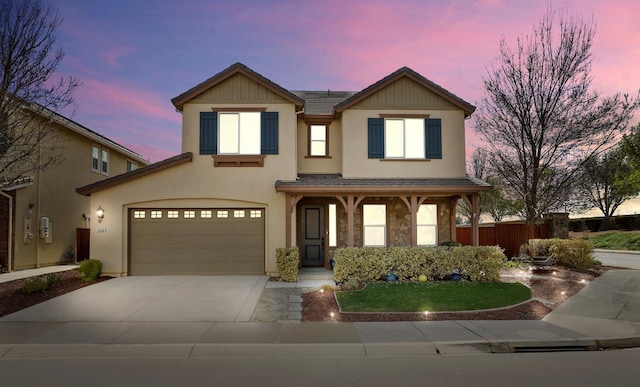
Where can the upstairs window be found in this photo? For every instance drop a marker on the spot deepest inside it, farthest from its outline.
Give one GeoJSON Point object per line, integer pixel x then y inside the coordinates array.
{"type": "Point", "coordinates": [318, 140]}
{"type": "Point", "coordinates": [404, 138]}
{"type": "Point", "coordinates": [239, 133]}
{"type": "Point", "coordinates": [99, 160]}
{"type": "Point", "coordinates": [131, 166]}
{"type": "Point", "coordinates": [95, 159]}
{"type": "Point", "coordinates": [104, 168]}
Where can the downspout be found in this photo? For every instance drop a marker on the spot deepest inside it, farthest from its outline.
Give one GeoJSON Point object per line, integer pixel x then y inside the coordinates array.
{"type": "Point", "coordinates": [10, 236]}
{"type": "Point", "coordinates": [37, 221]}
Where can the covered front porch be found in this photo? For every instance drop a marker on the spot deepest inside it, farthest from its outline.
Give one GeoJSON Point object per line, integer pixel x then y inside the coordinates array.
{"type": "Point", "coordinates": [324, 212]}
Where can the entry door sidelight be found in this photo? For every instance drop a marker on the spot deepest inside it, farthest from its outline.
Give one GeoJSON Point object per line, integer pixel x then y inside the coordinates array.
{"type": "Point", "coordinates": [312, 253]}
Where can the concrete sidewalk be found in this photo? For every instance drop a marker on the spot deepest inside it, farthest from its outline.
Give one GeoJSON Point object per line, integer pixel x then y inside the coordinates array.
{"type": "Point", "coordinates": [605, 314]}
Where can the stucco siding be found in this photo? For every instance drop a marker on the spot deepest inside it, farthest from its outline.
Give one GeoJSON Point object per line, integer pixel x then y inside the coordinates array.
{"type": "Point", "coordinates": [330, 164]}
{"type": "Point", "coordinates": [53, 195]}
{"type": "Point", "coordinates": [356, 163]}
{"type": "Point", "coordinates": [184, 186]}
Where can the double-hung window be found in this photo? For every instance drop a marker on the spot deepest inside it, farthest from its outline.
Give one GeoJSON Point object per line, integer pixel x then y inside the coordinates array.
{"type": "Point", "coordinates": [95, 159]}
{"type": "Point", "coordinates": [374, 221]}
{"type": "Point", "coordinates": [428, 225]}
{"type": "Point", "coordinates": [318, 140]}
{"type": "Point", "coordinates": [99, 160]}
{"type": "Point", "coordinates": [104, 166]}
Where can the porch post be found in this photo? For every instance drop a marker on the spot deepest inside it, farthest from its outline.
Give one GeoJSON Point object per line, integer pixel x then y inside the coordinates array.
{"type": "Point", "coordinates": [453, 205]}
{"type": "Point", "coordinates": [475, 218]}
{"type": "Point", "coordinates": [414, 220]}
{"type": "Point", "coordinates": [291, 201]}
{"type": "Point", "coordinates": [287, 221]}
{"type": "Point", "coordinates": [350, 221]}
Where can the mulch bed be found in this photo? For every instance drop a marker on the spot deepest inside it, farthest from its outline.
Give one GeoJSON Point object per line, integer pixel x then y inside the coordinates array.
{"type": "Point", "coordinates": [13, 299]}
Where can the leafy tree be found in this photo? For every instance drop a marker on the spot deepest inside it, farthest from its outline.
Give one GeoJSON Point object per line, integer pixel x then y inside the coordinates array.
{"type": "Point", "coordinates": [631, 146]}
{"type": "Point", "coordinates": [539, 116]}
{"type": "Point", "coordinates": [29, 97]}
{"type": "Point", "coordinates": [607, 181]}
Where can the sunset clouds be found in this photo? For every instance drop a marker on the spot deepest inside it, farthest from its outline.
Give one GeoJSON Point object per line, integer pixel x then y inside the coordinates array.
{"type": "Point", "coordinates": [134, 56]}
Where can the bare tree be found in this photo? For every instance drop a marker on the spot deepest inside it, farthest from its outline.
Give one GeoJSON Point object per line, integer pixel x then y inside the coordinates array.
{"type": "Point", "coordinates": [29, 97]}
{"type": "Point", "coordinates": [539, 116]}
{"type": "Point", "coordinates": [492, 202]}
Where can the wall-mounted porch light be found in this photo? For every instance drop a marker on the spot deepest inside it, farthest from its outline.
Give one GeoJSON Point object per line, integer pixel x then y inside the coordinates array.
{"type": "Point", "coordinates": [100, 214]}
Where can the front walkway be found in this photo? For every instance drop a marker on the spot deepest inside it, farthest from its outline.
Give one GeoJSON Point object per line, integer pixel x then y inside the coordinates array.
{"type": "Point", "coordinates": [21, 274]}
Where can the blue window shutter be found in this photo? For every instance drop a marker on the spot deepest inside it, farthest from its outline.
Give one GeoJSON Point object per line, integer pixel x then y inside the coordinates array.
{"type": "Point", "coordinates": [433, 138]}
{"type": "Point", "coordinates": [269, 133]}
{"type": "Point", "coordinates": [208, 133]}
{"type": "Point", "coordinates": [376, 138]}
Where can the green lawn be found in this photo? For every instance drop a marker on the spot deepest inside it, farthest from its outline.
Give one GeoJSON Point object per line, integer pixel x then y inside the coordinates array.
{"type": "Point", "coordinates": [432, 296]}
{"type": "Point", "coordinates": [616, 241]}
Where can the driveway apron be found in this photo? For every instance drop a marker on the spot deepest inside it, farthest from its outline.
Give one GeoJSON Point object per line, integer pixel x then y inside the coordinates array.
{"type": "Point", "coordinates": [154, 298]}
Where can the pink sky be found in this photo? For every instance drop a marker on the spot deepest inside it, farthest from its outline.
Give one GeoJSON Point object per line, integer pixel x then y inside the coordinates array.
{"type": "Point", "coordinates": [134, 56]}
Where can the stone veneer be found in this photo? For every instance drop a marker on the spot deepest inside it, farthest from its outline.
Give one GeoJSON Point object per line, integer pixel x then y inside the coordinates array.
{"type": "Point", "coordinates": [398, 222]}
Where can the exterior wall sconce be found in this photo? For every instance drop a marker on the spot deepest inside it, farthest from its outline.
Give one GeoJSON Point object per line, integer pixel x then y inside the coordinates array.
{"type": "Point", "coordinates": [100, 214]}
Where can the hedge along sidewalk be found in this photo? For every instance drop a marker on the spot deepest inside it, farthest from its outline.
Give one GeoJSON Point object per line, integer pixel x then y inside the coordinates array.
{"type": "Point", "coordinates": [370, 264]}
{"type": "Point", "coordinates": [432, 296]}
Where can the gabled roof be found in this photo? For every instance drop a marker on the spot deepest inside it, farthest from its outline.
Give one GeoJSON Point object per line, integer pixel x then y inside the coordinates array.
{"type": "Point", "coordinates": [406, 72]}
{"type": "Point", "coordinates": [82, 130]}
{"type": "Point", "coordinates": [237, 68]}
{"type": "Point", "coordinates": [322, 103]}
{"type": "Point", "coordinates": [88, 189]}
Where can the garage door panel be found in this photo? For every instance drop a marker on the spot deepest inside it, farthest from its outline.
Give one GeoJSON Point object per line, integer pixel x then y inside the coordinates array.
{"type": "Point", "coordinates": [204, 244]}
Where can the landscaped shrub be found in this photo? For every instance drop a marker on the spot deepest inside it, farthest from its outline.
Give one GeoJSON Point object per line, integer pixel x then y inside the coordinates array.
{"type": "Point", "coordinates": [53, 279]}
{"type": "Point", "coordinates": [368, 264]}
{"type": "Point", "coordinates": [573, 253]}
{"type": "Point", "coordinates": [90, 269]}
{"type": "Point", "coordinates": [34, 284]}
{"type": "Point", "coordinates": [288, 261]}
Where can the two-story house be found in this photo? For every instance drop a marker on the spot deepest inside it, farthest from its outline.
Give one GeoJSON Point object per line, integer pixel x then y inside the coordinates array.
{"type": "Point", "coordinates": [264, 167]}
{"type": "Point", "coordinates": [43, 220]}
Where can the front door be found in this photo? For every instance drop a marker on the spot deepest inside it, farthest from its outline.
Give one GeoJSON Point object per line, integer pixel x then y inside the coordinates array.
{"type": "Point", "coordinates": [312, 252]}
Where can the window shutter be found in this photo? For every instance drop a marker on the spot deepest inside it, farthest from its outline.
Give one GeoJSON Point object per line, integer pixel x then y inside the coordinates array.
{"type": "Point", "coordinates": [208, 133]}
{"type": "Point", "coordinates": [269, 133]}
{"type": "Point", "coordinates": [433, 138]}
{"type": "Point", "coordinates": [376, 138]}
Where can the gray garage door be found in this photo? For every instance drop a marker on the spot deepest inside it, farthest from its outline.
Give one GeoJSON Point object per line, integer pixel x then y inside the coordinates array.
{"type": "Point", "coordinates": [196, 241]}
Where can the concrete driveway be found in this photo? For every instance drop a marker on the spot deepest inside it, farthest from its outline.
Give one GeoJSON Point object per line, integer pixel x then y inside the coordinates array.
{"type": "Point", "coordinates": [154, 298]}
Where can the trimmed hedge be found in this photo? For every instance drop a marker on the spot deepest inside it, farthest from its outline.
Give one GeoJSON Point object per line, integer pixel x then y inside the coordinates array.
{"type": "Point", "coordinates": [368, 264]}
{"type": "Point", "coordinates": [573, 253]}
{"type": "Point", "coordinates": [288, 261]}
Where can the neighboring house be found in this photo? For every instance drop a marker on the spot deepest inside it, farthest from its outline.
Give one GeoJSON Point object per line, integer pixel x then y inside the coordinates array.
{"type": "Point", "coordinates": [264, 167]}
{"type": "Point", "coordinates": [46, 221]}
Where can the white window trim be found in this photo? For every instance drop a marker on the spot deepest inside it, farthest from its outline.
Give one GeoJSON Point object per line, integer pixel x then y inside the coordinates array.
{"type": "Point", "coordinates": [434, 225]}
{"type": "Point", "coordinates": [97, 159]}
{"type": "Point", "coordinates": [374, 225]}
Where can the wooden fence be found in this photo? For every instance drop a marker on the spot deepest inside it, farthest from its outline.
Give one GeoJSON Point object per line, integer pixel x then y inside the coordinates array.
{"type": "Point", "coordinates": [509, 236]}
